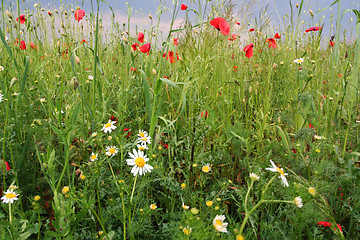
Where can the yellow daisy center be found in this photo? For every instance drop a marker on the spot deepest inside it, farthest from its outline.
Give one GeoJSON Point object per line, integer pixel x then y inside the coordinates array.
{"type": "Point", "coordinates": [143, 139]}
{"type": "Point", "coordinates": [186, 231]}
{"type": "Point", "coordinates": [141, 148]}
{"type": "Point", "coordinates": [280, 171]}
{"type": "Point", "coordinates": [140, 162]}
{"type": "Point", "coordinates": [299, 61]}
{"type": "Point", "coordinates": [93, 157]}
{"type": "Point", "coordinates": [108, 125]}
{"type": "Point", "coordinates": [142, 134]}
{"type": "Point", "coordinates": [206, 169]}
{"type": "Point", "coordinates": [218, 223]}
{"type": "Point", "coordinates": [10, 195]}
{"type": "Point", "coordinates": [112, 150]}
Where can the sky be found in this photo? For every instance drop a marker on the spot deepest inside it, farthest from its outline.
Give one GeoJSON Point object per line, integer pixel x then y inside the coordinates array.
{"type": "Point", "coordinates": [276, 10]}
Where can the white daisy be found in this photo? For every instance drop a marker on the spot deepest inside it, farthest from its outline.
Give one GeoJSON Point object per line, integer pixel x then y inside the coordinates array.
{"type": "Point", "coordinates": [187, 230]}
{"type": "Point", "coordinates": [298, 202]}
{"type": "Point", "coordinates": [274, 168]}
{"type": "Point", "coordinates": [1, 68]}
{"type": "Point", "coordinates": [109, 138]}
{"type": "Point", "coordinates": [94, 134]}
{"type": "Point", "coordinates": [111, 151]}
{"type": "Point", "coordinates": [312, 191]}
{"type": "Point", "coordinates": [93, 157]}
{"type": "Point", "coordinates": [254, 177]}
{"type": "Point", "coordinates": [299, 61]}
{"type": "Point", "coordinates": [186, 207]}
{"type": "Point", "coordinates": [1, 97]}
{"type": "Point", "coordinates": [219, 223]}
{"type": "Point", "coordinates": [90, 77]}
{"type": "Point", "coordinates": [141, 147]}
{"type": "Point", "coordinates": [109, 127]}
{"type": "Point", "coordinates": [153, 206]}
{"type": "Point", "coordinates": [138, 160]}
{"type": "Point", "coordinates": [143, 138]}
{"type": "Point", "coordinates": [206, 168]}
{"type": "Point", "coordinates": [10, 196]}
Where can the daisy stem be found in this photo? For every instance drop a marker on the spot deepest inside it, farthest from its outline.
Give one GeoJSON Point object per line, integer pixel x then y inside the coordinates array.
{"type": "Point", "coordinates": [10, 221]}
{"type": "Point", "coordinates": [248, 215]}
{"type": "Point", "coordinates": [266, 187]}
{"type": "Point", "coordinates": [132, 192]}
{"type": "Point", "coordinates": [247, 195]}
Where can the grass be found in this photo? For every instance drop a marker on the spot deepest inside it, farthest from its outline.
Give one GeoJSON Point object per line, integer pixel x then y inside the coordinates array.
{"type": "Point", "coordinates": [213, 116]}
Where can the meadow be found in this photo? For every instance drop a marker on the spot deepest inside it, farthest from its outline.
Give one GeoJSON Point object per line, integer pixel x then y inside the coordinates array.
{"type": "Point", "coordinates": [225, 127]}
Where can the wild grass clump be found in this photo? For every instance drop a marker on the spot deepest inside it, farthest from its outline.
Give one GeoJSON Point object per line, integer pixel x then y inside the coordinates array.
{"type": "Point", "coordinates": [221, 128]}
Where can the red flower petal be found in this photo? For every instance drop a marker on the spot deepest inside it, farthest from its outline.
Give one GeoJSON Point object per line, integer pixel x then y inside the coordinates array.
{"type": "Point", "coordinates": [272, 43]}
{"type": "Point", "coordinates": [249, 50]}
{"type": "Point", "coordinates": [22, 45]}
{"type": "Point", "coordinates": [22, 19]}
{"type": "Point", "coordinates": [237, 23]}
{"type": "Point", "coordinates": [232, 38]}
{"type": "Point", "coordinates": [79, 14]}
{"type": "Point", "coordinates": [251, 29]}
{"type": "Point", "coordinates": [332, 43]}
{"type": "Point", "coordinates": [170, 56]}
{"type": "Point", "coordinates": [7, 166]}
{"type": "Point", "coordinates": [277, 36]}
{"type": "Point", "coordinates": [183, 7]}
{"type": "Point", "coordinates": [325, 224]}
{"type": "Point", "coordinates": [140, 37]}
{"type": "Point", "coordinates": [313, 29]}
{"type": "Point", "coordinates": [134, 46]}
{"type": "Point", "coordinates": [221, 25]}
{"type": "Point", "coordinates": [175, 41]}
{"type": "Point", "coordinates": [145, 48]}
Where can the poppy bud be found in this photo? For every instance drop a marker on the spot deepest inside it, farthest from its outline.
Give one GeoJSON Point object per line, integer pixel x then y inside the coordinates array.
{"type": "Point", "coordinates": [125, 39]}
{"type": "Point", "coordinates": [154, 34]}
{"type": "Point", "coordinates": [58, 43]}
{"type": "Point", "coordinates": [56, 11]}
{"type": "Point", "coordinates": [77, 60]}
{"type": "Point", "coordinates": [275, 65]}
{"type": "Point", "coordinates": [7, 30]}
{"type": "Point", "coordinates": [72, 10]}
{"type": "Point", "coordinates": [311, 13]}
{"type": "Point", "coordinates": [180, 59]}
{"type": "Point", "coordinates": [8, 14]}
{"type": "Point", "coordinates": [297, 5]}
{"type": "Point", "coordinates": [65, 13]}
{"type": "Point", "coordinates": [154, 71]}
{"type": "Point", "coordinates": [127, 32]}
{"type": "Point", "coordinates": [13, 81]}
{"type": "Point", "coordinates": [43, 9]}
{"type": "Point", "coordinates": [74, 83]}
{"type": "Point", "coordinates": [150, 16]}
{"type": "Point", "coordinates": [123, 33]}
{"type": "Point", "coordinates": [36, 5]}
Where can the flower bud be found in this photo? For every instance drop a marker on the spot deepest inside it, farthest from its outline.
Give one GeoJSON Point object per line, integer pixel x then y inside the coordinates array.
{"type": "Point", "coordinates": [77, 60]}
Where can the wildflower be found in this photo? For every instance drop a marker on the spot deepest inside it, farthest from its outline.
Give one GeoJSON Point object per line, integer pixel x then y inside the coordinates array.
{"type": "Point", "coordinates": [143, 138]}
{"type": "Point", "coordinates": [237, 23]}
{"type": "Point", "coordinates": [187, 230]}
{"type": "Point", "coordinates": [183, 185]}
{"type": "Point", "coordinates": [1, 68]}
{"type": "Point", "coordinates": [1, 97]}
{"type": "Point", "coordinates": [317, 150]}
{"type": "Point", "coordinates": [249, 50]}
{"type": "Point", "coordinates": [145, 48]}
{"type": "Point", "coordinates": [186, 207]}
{"type": "Point", "coordinates": [251, 29]}
{"type": "Point", "coordinates": [36, 198]}
{"type": "Point", "coordinates": [240, 237]}
{"type": "Point", "coordinates": [112, 118]}
{"type": "Point", "coordinates": [328, 224]}
{"type": "Point", "coordinates": [206, 168]}
{"type": "Point", "coordinates": [298, 202]}
{"type": "Point", "coordinates": [272, 43]}
{"type": "Point", "coordinates": [312, 191]}
{"type": "Point", "coordinates": [111, 151]}
{"type": "Point", "coordinates": [10, 196]}
{"type": "Point", "coordinates": [138, 160]}
{"type": "Point", "coordinates": [65, 190]}
{"type": "Point", "coordinates": [13, 187]}
{"type": "Point", "coordinates": [141, 147]}
{"type": "Point", "coordinates": [33, 46]}
{"type": "Point", "coordinates": [91, 77]}
{"type": "Point", "coordinates": [82, 177]}
{"type": "Point", "coordinates": [204, 114]}
{"type": "Point", "coordinates": [7, 165]}
{"type": "Point", "coordinates": [22, 19]}
{"type": "Point", "coordinates": [221, 25]}
{"type": "Point", "coordinates": [22, 45]}
{"type": "Point", "coordinates": [254, 177]}
{"type": "Point", "coordinates": [332, 43]}
{"type": "Point", "coordinates": [194, 211]}
{"type": "Point", "coordinates": [183, 8]}
{"type": "Point", "coordinates": [209, 203]}
{"type": "Point", "coordinates": [94, 134]}
{"type": "Point", "coordinates": [79, 14]}
{"type": "Point", "coordinates": [299, 61]}
{"type": "Point", "coordinates": [93, 157]}
{"type": "Point", "coordinates": [219, 223]}
{"type": "Point", "coordinates": [217, 208]}
{"type": "Point", "coordinates": [153, 206]}
{"type": "Point", "coordinates": [274, 168]}
{"type": "Point", "coordinates": [109, 127]}
{"type": "Point", "coordinates": [175, 41]}
{"type": "Point", "coordinates": [134, 46]}
{"type": "Point", "coordinates": [313, 29]}
{"type": "Point", "coordinates": [232, 38]}
{"type": "Point", "coordinates": [140, 37]}
{"type": "Point", "coordinates": [194, 165]}
{"type": "Point", "coordinates": [317, 137]}
{"type": "Point", "coordinates": [277, 36]}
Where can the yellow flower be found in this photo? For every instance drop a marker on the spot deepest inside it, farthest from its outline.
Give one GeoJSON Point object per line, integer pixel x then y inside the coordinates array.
{"type": "Point", "coordinates": [217, 208]}
{"type": "Point", "coordinates": [206, 168]}
{"type": "Point", "coordinates": [240, 237]}
{"type": "Point", "coordinates": [153, 206]}
{"type": "Point", "coordinates": [312, 191]}
{"type": "Point", "coordinates": [186, 207]}
{"type": "Point", "coordinates": [194, 165]}
{"type": "Point", "coordinates": [209, 203]}
{"type": "Point", "coordinates": [160, 148]}
{"type": "Point", "coordinates": [82, 177]}
{"type": "Point", "coordinates": [154, 156]}
{"type": "Point", "coordinates": [65, 190]}
{"type": "Point", "coordinates": [187, 230]}
{"type": "Point", "coordinates": [317, 150]}
{"type": "Point", "coordinates": [183, 185]}
{"type": "Point", "coordinates": [37, 198]}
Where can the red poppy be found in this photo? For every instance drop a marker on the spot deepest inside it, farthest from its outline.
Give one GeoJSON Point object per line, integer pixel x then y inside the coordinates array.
{"type": "Point", "coordinates": [22, 19]}
{"type": "Point", "coordinates": [33, 46]}
{"type": "Point", "coordinates": [251, 29]}
{"type": "Point", "coordinates": [134, 46]}
{"type": "Point", "coordinates": [272, 43]}
{"type": "Point", "coordinates": [7, 165]}
{"type": "Point", "coordinates": [277, 36]}
{"type": "Point", "coordinates": [237, 23]}
{"type": "Point", "coordinates": [183, 7]}
{"type": "Point", "coordinates": [175, 41]}
{"type": "Point", "coordinates": [249, 50]}
{"type": "Point", "coordinates": [112, 118]}
{"type": "Point", "coordinates": [145, 48]}
{"type": "Point", "coordinates": [79, 14]}
{"type": "Point", "coordinates": [204, 114]}
{"type": "Point", "coordinates": [221, 25]}
{"type": "Point", "coordinates": [327, 224]}
{"type": "Point", "coordinates": [22, 45]}
{"type": "Point", "coordinates": [126, 129]}
{"type": "Point", "coordinates": [132, 69]}
{"type": "Point", "coordinates": [332, 43]}
{"type": "Point", "coordinates": [313, 29]}
{"type": "Point", "coordinates": [232, 38]}
{"type": "Point", "coordinates": [170, 56]}
{"type": "Point", "coordinates": [140, 37]}
{"type": "Point", "coordinates": [235, 69]}
{"type": "Point", "coordinates": [311, 126]}
{"type": "Point", "coordinates": [83, 41]}
{"type": "Point", "coordinates": [50, 13]}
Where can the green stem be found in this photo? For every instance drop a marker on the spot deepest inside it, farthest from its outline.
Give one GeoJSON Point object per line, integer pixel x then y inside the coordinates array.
{"type": "Point", "coordinates": [132, 192]}
{"type": "Point", "coordinates": [248, 215]}
{"type": "Point", "coordinates": [247, 195]}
